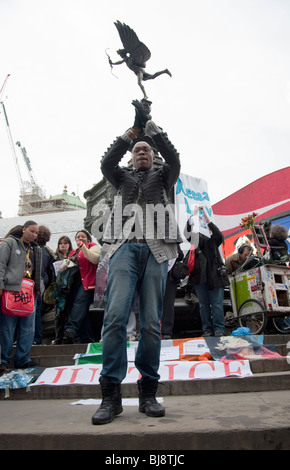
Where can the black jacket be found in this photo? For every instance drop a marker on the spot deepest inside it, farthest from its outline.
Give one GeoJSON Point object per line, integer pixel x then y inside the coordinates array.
{"type": "Point", "coordinates": [208, 260]}
{"type": "Point", "coordinates": [155, 183]}
{"type": "Point", "coordinates": [278, 249]}
{"type": "Point", "coordinates": [47, 271]}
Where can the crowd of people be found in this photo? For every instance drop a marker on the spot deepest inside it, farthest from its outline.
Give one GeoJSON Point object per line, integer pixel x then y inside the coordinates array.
{"type": "Point", "coordinates": [64, 278]}
{"type": "Point", "coordinates": [67, 281]}
{"type": "Point", "coordinates": [144, 271]}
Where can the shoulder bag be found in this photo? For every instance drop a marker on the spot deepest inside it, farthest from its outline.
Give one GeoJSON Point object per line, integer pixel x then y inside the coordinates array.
{"type": "Point", "coordinates": [19, 304]}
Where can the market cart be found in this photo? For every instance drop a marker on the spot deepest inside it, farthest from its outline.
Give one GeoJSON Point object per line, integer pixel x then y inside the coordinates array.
{"type": "Point", "coordinates": [258, 294]}
{"type": "Point", "coordinates": [262, 291]}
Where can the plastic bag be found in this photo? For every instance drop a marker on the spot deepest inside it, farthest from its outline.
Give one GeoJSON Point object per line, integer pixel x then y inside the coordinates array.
{"type": "Point", "coordinates": [241, 331]}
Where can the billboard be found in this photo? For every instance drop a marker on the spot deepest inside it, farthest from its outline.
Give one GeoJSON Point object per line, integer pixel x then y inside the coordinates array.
{"type": "Point", "coordinates": [269, 196]}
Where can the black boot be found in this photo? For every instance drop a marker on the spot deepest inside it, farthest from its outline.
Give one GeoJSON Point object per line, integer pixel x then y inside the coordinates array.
{"type": "Point", "coordinates": [147, 402]}
{"type": "Point", "coordinates": [111, 405]}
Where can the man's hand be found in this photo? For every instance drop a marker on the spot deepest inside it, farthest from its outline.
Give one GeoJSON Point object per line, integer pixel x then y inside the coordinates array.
{"type": "Point", "coordinates": [142, 112]}
{"type": "Point", "coordinates": [137, 123]}
{"type": "Point", "coordinates": [206, 217]}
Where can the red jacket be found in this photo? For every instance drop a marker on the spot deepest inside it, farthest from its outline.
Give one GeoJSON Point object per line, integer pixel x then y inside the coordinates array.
{"type": "Point", "coordinates": [87, 268]}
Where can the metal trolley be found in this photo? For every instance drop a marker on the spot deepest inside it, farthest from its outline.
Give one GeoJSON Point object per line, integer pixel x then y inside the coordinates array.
{"type": "Point", "coordinates": [261, 291]}
{"type": "Point", "coordinates": [258, 294]}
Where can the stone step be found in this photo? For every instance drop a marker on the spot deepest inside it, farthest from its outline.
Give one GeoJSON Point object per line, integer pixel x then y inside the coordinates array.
{"type": "Point", "coordinates": [277, 339]}
{"type": "Point", "coordinates": [258, 365]}
{"type": "Point", "coordinates": [231, 413]}
{"type": "Point", "coordinates": [67, 349]}
{"type": "Point", "coordinates": [226, 421]}
{"type": "Point", "coordinates": [60, 355]}
{"type": "Point", "coordinates": [269, 374]}
{"type": "Point", "coordinates": [259, 381]}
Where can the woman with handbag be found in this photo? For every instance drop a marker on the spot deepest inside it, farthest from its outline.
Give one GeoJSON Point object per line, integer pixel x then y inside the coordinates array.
{"type": "Point", "coordinates": [20, 264]}
{"type": "Point", "coordinates": [209, 278]}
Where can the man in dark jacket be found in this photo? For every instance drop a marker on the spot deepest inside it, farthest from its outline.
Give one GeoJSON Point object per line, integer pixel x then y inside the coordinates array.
{"type": "Point", "coordinates": [278, 246]}
{"type": "Point", "coordinates": [141, 248]}
{"type": "Point", "coordinates": [47, 274]}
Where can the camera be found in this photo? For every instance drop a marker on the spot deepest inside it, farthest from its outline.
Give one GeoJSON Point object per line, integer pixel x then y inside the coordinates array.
{"type": "Point", "coordinates": [222, 272]}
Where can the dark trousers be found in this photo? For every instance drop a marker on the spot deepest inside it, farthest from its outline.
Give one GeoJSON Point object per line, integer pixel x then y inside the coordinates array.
{"type": "Point", "coordinates": [167, 320]}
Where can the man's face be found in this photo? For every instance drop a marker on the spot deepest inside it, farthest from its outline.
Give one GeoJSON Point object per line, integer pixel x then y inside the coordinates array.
{"type": "Point", "coordinates": [142, 156]}
{"type": "Point", "coordinates": [246, 253]}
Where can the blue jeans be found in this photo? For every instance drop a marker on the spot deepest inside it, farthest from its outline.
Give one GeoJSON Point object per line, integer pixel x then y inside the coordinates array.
{"type": "Point", "coordinates": [24, 327]}
{"type": "Point", "coordinates": [133, 267]}
{"type": "Point", "coordinates": [211, 307]}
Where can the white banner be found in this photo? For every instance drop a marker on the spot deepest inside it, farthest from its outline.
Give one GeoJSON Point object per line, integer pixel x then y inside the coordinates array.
{"type": "Point", "coordinates": [190, 195]}
{"type": "Point", "coordinates": [88, 374]}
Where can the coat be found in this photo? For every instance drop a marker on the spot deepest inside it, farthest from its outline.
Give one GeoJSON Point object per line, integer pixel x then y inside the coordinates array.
{"type": "Point", "coordinates": [12, 264]}
{"type": "Point", "coordinates": [208, 260]}
{"type": "Point", "coordinates": [155, 184]}
{"type": "Point", "coordinates": [278, 250]}
{"type": "Point", "coordinates": [87, 268]}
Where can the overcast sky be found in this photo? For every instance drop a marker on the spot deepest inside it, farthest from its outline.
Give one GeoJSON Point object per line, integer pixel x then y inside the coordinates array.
{"type": "Point", "coordinates": [226, 107]}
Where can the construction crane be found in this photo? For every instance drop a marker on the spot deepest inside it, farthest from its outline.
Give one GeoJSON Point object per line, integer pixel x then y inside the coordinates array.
{"type": "Point", "coordinates": [12, 149]}
{"type": "Point", "coordinates": [26, 187]}
{"type": "Point", "coordinates": [33, 183]}
{"type": "Point", "coordinates": [10, 137]}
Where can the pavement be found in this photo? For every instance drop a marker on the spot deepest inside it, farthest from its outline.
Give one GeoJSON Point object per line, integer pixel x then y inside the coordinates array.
{"type": "Point", "coordinates": [230, 421]}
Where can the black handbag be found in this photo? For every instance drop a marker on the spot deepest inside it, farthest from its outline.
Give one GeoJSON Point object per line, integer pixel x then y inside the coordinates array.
{"type": "Point", "coordinates": [179, 270]}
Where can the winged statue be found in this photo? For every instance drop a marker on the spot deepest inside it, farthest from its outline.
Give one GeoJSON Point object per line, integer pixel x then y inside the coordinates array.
{"type": "Point", "coordinates": [135, 54]}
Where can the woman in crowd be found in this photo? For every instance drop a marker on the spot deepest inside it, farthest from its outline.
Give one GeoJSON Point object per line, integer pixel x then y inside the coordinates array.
{"type": "Point", "coordinates": [209, 278]}
{"type": "Point", "coordinates": [63, 292]}
{"type": "Point", "coordinates": [20, 257]}
{"type": "Point", "coordinates": [86, 257]}
{"type": "Point", "coordinates": [64, 247]}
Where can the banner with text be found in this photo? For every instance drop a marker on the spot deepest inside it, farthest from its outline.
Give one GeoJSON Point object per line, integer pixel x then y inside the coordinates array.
{"type": "Point", "coordinates": [191, 200]}
{"type": "Point", "coordinates": [88, 374]}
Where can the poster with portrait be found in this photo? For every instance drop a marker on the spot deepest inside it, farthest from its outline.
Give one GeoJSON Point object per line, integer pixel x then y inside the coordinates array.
{"type": "Point", "coordinates": [226, 348]}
